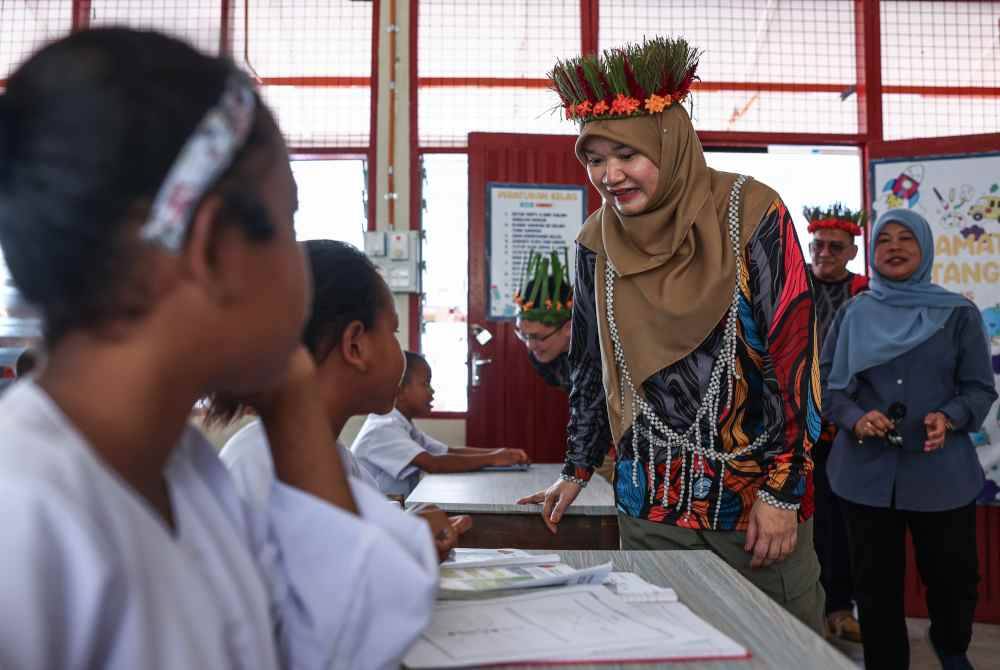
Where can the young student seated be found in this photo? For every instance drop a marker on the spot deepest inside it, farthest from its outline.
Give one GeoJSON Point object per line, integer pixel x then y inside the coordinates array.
{"type": "Point", "coordinates": [146, 209]}
{"type": "Point", "coordinates": [395, 452]}
{"type": "Point", "coordinates": [351, 336]}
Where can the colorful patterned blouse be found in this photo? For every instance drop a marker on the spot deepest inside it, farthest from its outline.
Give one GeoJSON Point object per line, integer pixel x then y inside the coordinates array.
{"type": "Point", "coordinates": [778, 391]}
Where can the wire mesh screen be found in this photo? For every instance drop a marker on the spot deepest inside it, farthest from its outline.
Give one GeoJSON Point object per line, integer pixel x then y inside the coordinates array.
{"type": "Point", "coordinates": [314, 61]}
{"type": "Point", "coordinates": [783, 67]}
{"type": "Point", "coordinates": [940, 68]}
{"type": "Point", "coordinates": [25, 25]}
{"type": "Point", "coordinates": [195, 21]}
{"type": "Point", "coordinates": [313, 58]}
{"type": "Point", "coordinates": [481, 66]}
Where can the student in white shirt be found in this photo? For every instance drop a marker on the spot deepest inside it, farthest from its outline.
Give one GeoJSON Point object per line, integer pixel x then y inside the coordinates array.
{"type": "Point", "coordinates": [351, 336]}
{"type": "Point", "coordinates": [146, 207]}
{"type": "Point", "coordinates": [395, 451]}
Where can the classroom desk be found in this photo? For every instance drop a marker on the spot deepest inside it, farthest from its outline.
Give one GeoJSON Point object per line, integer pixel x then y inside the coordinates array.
{"type": "Point", "coordinates": [721, 596]}
{"type": "Point", "coordinates": [490, 499]}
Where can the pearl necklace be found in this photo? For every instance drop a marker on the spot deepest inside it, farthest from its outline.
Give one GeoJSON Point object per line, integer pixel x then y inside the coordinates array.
{"type": "Point", "coordinates": [689, 443]}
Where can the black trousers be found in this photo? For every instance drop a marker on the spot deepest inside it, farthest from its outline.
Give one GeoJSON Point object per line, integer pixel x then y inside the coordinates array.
{"type": "Point", "coordinates": [945, 547]}
{"type": "Point", "coordinates": [830, 539]}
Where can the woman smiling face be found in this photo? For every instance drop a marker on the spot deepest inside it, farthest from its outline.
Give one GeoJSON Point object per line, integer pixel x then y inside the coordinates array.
{"type": "Point", "coordinates": [624, 177]}
{"type": "Point", "coordinates": [897, 252]}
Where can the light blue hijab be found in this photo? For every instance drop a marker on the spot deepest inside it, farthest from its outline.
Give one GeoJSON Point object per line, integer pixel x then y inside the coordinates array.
{"type": "Point", "coordinates": [893, 316]}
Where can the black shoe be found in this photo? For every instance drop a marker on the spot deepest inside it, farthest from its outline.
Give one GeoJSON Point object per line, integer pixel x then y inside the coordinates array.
{"type": "Point", "coordinates": [951, 661]}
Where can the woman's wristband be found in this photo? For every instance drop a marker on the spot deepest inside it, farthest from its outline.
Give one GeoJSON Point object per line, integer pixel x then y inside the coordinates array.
{"type": "Point", "coordinates": [768, 499]}
{"type": "Point", "coordinates": [582, 483]}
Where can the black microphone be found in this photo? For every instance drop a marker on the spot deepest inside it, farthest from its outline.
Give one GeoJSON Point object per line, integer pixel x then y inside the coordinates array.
{"type": "Point", "coordinates": [895, 413]}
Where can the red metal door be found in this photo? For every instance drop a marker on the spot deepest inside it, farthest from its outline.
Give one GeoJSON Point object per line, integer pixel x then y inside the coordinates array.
{"type": "Point", "coordinates": [987, 517]}
{"type": "Point", "coordinates": [511, 406]}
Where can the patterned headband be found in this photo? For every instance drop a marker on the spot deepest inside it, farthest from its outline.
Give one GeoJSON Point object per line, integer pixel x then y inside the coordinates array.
{"type": "Point", "coordinates": [209, 151]}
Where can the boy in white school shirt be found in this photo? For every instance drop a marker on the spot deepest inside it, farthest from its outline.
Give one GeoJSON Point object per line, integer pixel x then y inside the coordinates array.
{"type": "Point", "coordinates": [395, 452]}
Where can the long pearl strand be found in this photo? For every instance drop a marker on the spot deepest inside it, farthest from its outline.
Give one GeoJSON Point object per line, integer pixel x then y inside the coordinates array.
{"type": "Point", "coordinates": [693, 453]}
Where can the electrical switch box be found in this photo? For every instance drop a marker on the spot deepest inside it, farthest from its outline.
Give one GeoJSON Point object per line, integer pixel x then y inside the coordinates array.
{"type": "Point", "coordinates": [397, 258]}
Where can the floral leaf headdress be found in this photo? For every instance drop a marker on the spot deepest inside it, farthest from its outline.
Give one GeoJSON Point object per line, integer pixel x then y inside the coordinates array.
{"type": "Point", "coordinates": [544, 284]}
{"type": "Point", "coordinates": [633, 80]}
{"type": "Point", "coordinates": [837, 217]}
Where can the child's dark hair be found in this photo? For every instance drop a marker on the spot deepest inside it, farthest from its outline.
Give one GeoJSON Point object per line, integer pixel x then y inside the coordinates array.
{"type": "Point", "coordinates": [345, 289]}
{"type": "Point", "coordinates": [413, 361]}
{"type": "Point", "coordinates": [89, 127]}
{"type": "Point", "coordinates": [26, 362]}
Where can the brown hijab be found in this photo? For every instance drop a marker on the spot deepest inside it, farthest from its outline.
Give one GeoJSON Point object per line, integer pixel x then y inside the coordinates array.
{"type": "Point", "coordinates": [675, 262]}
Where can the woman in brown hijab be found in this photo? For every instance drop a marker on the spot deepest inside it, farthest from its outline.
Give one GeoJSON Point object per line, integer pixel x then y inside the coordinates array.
{"type": "Point", "coordinates": [693, 341]}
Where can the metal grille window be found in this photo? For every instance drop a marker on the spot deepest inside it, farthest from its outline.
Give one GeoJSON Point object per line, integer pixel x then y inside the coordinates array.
{"type": "Point", "coordinates": [940, 68]}
{"type": "Point", "coordinates": [779, 67]}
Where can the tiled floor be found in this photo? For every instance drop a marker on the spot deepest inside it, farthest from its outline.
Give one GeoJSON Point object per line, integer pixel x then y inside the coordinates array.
{"type": "Point", "coordinates": [984, 652]}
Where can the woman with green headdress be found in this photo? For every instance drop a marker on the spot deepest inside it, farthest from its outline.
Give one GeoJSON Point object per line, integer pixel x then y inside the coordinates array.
{"type": "Point", "coordinates": [693, 342]}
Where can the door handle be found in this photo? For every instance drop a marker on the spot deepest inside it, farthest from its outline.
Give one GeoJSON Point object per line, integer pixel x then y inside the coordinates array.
{"type": "Point", "coordinates": [477, 363]}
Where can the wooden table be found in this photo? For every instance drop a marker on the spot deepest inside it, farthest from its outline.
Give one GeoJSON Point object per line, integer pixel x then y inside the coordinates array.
{"type": "Point", "coordinates": [490, 499]}
{"type": "Point", "coordinates": [722, 597]}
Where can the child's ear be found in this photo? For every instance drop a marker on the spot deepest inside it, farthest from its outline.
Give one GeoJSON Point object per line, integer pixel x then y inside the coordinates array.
{"type": "Point", "coordinates": [215, 253]}
{"type": "Point", "coordinates": [355, 347]}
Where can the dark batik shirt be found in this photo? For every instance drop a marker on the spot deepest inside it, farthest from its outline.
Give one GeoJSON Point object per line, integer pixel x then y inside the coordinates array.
{"type": "Point", "coordinates": [828, 296]}
{"type": "Point", "coordinates": [555, 372]}
{"type": "Point", "coordinates": [778, 391]}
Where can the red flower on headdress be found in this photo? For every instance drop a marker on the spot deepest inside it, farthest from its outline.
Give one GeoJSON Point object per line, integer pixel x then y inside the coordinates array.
{"type": "Point", "coordinates": [848, 226]}
{"type": "Point", "coordinates": [600, 108]}
{"type": "Point", "coordinates": [624, 104]}
{"type": "Point", "coordinates": [570, 110]}
{"type": "Point", "coordinates": [584, 108]}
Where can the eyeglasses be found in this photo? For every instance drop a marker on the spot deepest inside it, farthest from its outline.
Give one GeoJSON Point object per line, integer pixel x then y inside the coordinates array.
{"type": "Point", "coordinates": [528, 338]}
{"type": "Point", "coordinates": [836, 248]}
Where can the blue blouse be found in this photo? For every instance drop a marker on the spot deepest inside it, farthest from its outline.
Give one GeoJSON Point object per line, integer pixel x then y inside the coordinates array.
{"type": "Point", "coordinates": [949, 373]}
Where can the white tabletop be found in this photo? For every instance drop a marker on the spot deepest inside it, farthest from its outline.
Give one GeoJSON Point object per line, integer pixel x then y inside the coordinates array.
{"type": "Point", "coordinates": [498, 492]}
{"type": "Point", "coordinates": [721, 596]}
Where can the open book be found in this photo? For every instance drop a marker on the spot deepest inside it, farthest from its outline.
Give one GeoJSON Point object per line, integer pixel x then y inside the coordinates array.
{"type": "Point", "coordinates": [575, 624]}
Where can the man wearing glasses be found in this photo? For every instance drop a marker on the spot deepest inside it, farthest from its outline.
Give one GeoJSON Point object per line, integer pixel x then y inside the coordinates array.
{"type": "Point", "coordinates": [545, 306]}
{"type": "Point", "coordinates": [831, 248]}
{"type": "Point", "coordinates": [544, 311]}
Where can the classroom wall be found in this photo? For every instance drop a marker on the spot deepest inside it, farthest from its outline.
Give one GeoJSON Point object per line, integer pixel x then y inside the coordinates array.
{"type": "Point", "coordinates": [449, 431]}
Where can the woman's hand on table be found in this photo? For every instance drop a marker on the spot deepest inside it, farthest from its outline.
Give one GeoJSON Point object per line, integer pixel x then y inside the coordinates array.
{"type": "Point", "coordinates": [872, 424]}
{"type": "Point", "coordinates": [771, 534]}
{"type": "Point", "coordinates": [554, 501]}
{"type": "Point", "coordinates": [937, 428]}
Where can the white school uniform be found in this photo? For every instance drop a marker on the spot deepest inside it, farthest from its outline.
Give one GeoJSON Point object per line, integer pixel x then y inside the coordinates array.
{"type": "Point", "coordinates": [248, 457]}
{"type": "Point", "coordinates": [386, 447]}
{"type": "Point", "coordinates": [92, 577]}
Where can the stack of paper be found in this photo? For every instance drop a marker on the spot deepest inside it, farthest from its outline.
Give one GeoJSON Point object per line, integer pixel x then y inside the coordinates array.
{"type": "Point", "coordinates": [488, 558]}
{"type": "Point", "coordinates": [632, 588]}
{"type": "Point", "coordinates": [584, 624]}
{"type": "Point", "coordinates": [455, 582]}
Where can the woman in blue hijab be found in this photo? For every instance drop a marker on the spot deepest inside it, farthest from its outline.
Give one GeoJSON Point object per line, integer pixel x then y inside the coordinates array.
{"type": "Point", "coordinates": [907, 375]}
